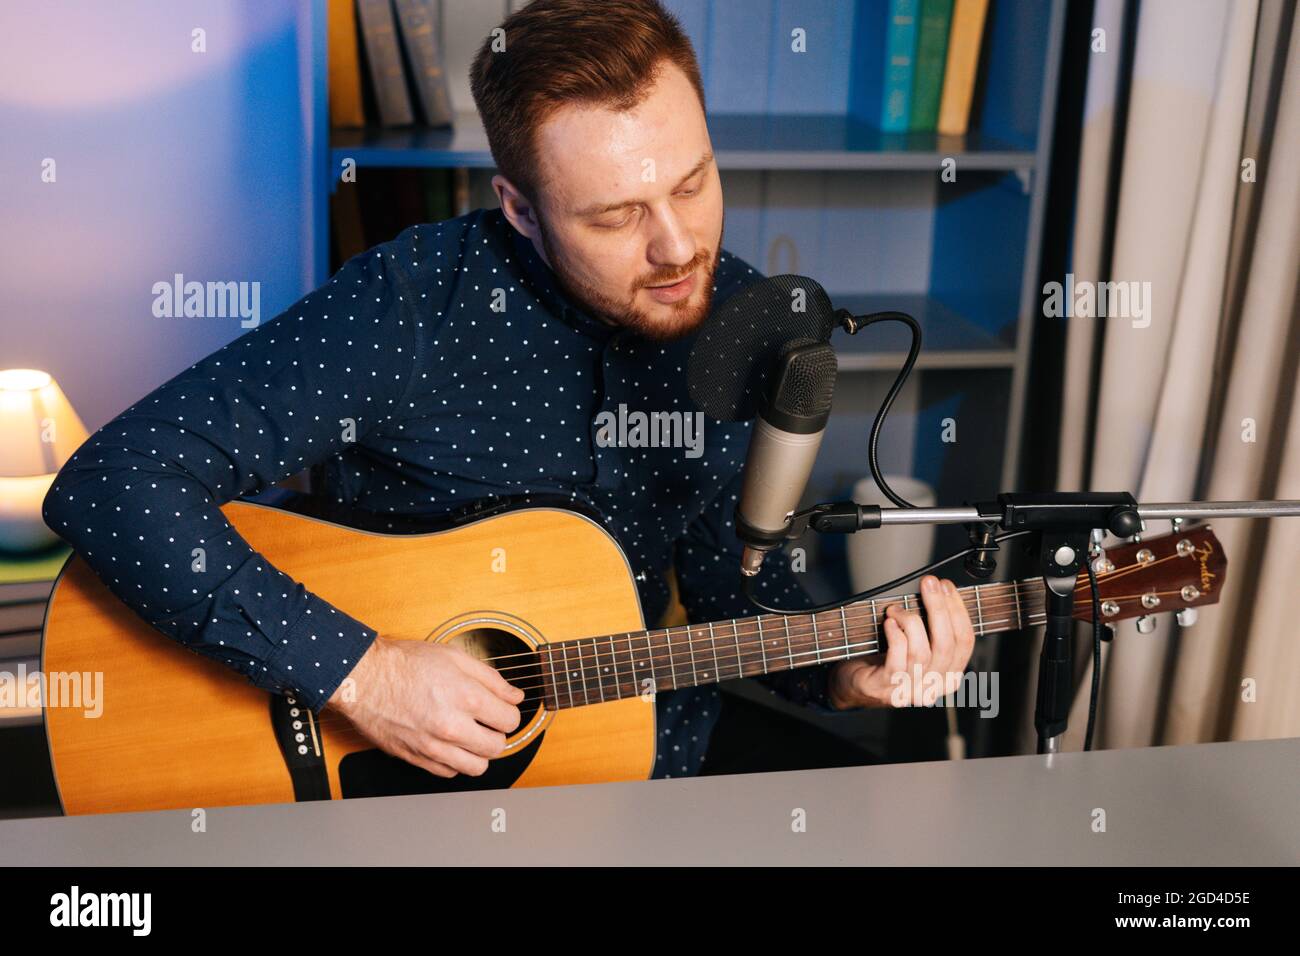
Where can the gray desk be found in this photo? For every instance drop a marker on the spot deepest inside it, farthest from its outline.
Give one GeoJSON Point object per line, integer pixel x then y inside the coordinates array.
{"type": "Point", "coordinates": [1214, 804]}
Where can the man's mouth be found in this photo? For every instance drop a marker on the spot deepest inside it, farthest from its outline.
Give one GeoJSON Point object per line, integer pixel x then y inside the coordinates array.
{"type": "Point", "coordinates": [673, 291]}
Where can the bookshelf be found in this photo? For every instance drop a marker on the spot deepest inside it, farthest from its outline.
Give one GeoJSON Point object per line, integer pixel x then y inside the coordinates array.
{"type": "Point", "coordinates": [812, 188]}
{"type": "Point", "coordinates": [787, 141]}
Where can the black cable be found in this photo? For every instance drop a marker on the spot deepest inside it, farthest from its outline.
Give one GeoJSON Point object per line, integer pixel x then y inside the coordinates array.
{"type": "Point", "coordinates": [1096, 655]}
{"type": "Point", "coordinates": [874, 441]}
{"type": "Point", "coordinates": [855, 324]}
{"type": "Point", "coordinates": [747, 583]}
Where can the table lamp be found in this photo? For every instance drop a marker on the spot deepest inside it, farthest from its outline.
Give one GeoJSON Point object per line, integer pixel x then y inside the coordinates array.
{"type": "Point", "coordinates": [39, 431]}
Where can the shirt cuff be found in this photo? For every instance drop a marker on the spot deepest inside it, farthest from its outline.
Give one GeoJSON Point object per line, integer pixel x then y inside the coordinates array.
{"type": "Point", "coordinates": [316, 653]}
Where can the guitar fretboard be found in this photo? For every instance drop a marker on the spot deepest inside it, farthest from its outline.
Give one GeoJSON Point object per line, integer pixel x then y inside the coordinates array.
{"type": "Point", "coordinates": [593, 670]}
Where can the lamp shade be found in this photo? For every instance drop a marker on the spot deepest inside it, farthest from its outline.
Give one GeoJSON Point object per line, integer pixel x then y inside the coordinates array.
{"type": "Point", "coordinates": [39, 430]}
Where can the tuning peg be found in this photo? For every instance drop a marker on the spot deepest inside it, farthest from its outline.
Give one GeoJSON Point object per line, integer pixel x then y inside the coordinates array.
{"type": "Point", "coordinates": [1186, 617]}
{"type": "Point", "coordinates": [1146, 623]}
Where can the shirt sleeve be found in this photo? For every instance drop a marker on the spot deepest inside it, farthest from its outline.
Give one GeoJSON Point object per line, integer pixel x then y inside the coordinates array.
{"type": "Point", "coordinates": [140, 500]}
{"type": "Point", "coordinates": [707, 559]}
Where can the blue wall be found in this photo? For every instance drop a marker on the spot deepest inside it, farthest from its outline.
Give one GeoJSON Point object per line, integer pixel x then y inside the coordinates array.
{"type": "Point", "coordinates": [167, 161]}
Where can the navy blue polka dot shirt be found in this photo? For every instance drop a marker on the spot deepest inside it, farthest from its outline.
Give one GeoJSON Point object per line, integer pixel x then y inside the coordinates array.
{"type": "Point", "coordinates": [442, 367]}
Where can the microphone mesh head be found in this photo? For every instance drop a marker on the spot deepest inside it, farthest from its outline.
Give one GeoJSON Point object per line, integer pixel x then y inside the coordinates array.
{"type": "Point", "coordinates": [735, 352]}
{"type": "Point", "coordinates": [805, 384]}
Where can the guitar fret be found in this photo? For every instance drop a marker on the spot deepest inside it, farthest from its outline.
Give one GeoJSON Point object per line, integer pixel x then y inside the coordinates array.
{"type": "Point", "coordinates": [613, 662]}
{"type": "Point", "coordinates": [650, 659]}
{"type": "Point", "coordinates": [762, 649]}
{"type": "Point", "coordinates": [880, 630]}
{"type": "Point", "coordinates": [713, 640]}
{"type": "Point", "coordinates": [568, 677]}
{"type": "Point", "coordinates": [550, 663]}
{"type": "Point", "coordinates": [740, 662]}
{"type": "Point", "coordinates": [672, 664]}
{"type": "Point", "coordinates": [632, 666]}
{"type": "Point", "coordinates": [979, 610]}
{"type": "Point", "coordinates": [817, 643]}
{"type": "Point", "coordinates": [1019, 622]}
{"type": "Point", "coordinates": [582, 669]}
{"type": "Point", "coordinates": [844, 623]}
{"type": "Point", "coordinates": [690, 650]}
{"type": "Point", "coordinates": [761, 641]}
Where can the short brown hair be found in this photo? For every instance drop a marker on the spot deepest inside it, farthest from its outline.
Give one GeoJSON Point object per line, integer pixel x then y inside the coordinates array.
{"type": "Point", "coordinates": [604, 53]}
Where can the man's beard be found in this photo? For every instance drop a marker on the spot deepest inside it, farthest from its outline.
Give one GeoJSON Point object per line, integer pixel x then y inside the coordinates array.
{"type": "Point", "coordinates": [686, 317]}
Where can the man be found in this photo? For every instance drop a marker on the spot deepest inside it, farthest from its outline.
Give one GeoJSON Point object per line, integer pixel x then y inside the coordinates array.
{"type": "Point", "coordinates": [470, 359]}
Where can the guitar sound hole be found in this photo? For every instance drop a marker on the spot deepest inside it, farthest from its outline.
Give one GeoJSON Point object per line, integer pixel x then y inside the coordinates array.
{"type": "Point", "coordinates": [513, 658]}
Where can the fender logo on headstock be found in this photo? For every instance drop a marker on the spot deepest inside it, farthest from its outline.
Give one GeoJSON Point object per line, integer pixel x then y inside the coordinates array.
{"type": "Point", "coordinates": [1207, 576]}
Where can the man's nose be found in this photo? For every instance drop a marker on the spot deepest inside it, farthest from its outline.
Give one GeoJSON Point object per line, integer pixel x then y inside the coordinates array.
{"type": "Point", "coordinates": [671, 246]}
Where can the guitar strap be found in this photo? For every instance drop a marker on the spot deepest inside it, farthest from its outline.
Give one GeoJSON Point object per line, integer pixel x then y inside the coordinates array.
{"type": "Point", "coordinates": [298, 734]}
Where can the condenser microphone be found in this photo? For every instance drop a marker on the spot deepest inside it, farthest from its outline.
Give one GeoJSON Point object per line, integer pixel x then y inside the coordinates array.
{"type": "Point", "coordinates": [792, 416]}
{"type": "Point", "coordinates": [735, 351]}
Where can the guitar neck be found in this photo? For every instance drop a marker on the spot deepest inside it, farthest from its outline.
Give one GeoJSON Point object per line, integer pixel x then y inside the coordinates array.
{"type": "Point", "coordinates": [593, 670]}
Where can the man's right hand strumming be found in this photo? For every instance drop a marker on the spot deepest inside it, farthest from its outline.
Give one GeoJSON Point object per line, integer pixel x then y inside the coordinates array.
{"type": "Point", "coordinates": [432, 705]}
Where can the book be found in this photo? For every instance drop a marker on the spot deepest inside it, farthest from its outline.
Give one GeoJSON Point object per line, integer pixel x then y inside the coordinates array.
{"type": "Point", "coordinates": [21, 645]}
{"type": "Point", "coordinates": [344, 65]}
{"type": "Point", "coordinates": [459, 191]}
{"type": "Point", "coordinates": [349, 233]}
{"type": "Point", "coordinates": [417, 20]}
{"type": "Point", "coordinates": [931, 56]}
{"type": "Point", "coordinates": [884, 42]}
{"type": "Point", "coordinates": [22, 617]}
{"type": "Point", "coordinates": [965, 37]}
{"type": "Point", "coordinates": [384, 62]}
{"type": "Point", "coordinates": [437, 195]}
{"type": "Point", "coordinates": [21, 592]}
{"type": "Point", "coordinates": [29, 576]}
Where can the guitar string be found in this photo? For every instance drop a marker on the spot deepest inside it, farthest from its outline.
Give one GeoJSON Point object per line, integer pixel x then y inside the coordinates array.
{"type": "Point", "coordinates": [771, 627]}
{"type": "Point", "coordinates": [1030, 587]}
{"type": "Point", "coordinates": [332, 719]}
{"type": "Point", "coordinates": [692, 656]}
{"type": "Point", "coordinates": [827, 654]}
{"type": "Point", "coordinates": [988, 598]}
{"type": "Point", "coordinates": [824, 655]}
{"type": "Point", "coordinates": [997, 602]}
{"type": "Point", "coordinates": [1007, 597]}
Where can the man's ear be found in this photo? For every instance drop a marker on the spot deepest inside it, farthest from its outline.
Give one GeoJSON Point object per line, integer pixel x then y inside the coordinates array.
{"type": "Point", "coordinates": [517, 208]}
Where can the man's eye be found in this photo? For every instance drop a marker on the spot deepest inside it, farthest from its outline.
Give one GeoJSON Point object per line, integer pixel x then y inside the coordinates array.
{"type": "Point", "coordinates": [616, 225]}
{"type": "Point", "coordinates": [689, 192]}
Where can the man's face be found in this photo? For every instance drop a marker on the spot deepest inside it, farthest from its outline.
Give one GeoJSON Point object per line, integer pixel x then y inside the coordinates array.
{"type": "Point", "coordinates": [632, 202]}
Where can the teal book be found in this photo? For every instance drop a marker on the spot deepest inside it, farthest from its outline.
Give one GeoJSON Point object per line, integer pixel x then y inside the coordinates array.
{"type": "Point", "coordinates": [884, 50]}
{"type": "Point", "coordinates": [931, 55]}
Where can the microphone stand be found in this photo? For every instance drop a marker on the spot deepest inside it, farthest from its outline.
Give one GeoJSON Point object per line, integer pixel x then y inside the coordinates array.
{"type": "Point", "coordinates": [1065, 524]}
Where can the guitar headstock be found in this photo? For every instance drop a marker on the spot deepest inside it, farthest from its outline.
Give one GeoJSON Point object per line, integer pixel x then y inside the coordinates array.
{"type": "Point", "coordinates": [1173, 572]}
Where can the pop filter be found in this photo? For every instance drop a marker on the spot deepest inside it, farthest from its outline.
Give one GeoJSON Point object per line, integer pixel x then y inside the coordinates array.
{"type": "Point", "coordinates": [736, 349]}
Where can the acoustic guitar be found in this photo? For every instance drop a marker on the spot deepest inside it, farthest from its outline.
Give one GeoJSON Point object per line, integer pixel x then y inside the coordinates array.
{"type": "Point", "coordinates": [543, 594]}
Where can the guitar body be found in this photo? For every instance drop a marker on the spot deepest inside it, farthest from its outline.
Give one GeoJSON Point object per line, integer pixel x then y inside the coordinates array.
{"type": "Point", "coordinates": [180, 730]}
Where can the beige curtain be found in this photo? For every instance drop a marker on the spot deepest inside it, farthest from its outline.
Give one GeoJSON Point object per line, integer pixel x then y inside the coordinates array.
{"type": "Point", "coordinates": [1209, 366]}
